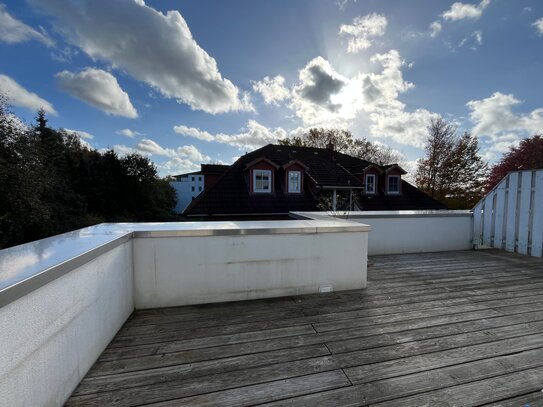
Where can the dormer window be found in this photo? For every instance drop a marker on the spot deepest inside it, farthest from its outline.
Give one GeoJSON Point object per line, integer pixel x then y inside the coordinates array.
{"type": "Point", "coordinates": [393, 184]}
{"type": "Point", "coordinates": [294, 181]}
{"type": "Point", "coordinates": [262, 180]}
{"type": "Point", "coordinates": [370, 183]}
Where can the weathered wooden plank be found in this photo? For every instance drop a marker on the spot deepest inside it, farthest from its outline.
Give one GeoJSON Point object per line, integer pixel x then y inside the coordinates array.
{"type": "Point", "coordinates": [406, 272]}
{"type": "Point", "coordinates": [202, 342]}
{"type": "Point", "coordinates": [351, 344]}
{"type": "Point", "coordinates": [501, 340]}
{"type": "Point", "coordinates": [216, 365]}
{"type": "Point", "coordinates": [473, 298]}
{"type": "Point", "coordinates": [209, 319]}
{"type": "Point", "coordinates": [414, 315]}
{"type": "Point", "coordinates": [220, 329]}
{"type": "Point", "coordinates": [533, 399]}
{"type": "Point", "coordinates": [476, 393]}
{"type": "Point", "coordinates": [157, 334]}
{"type": "Point", "coordinates": [166, 387]}
{"type": "Point", "coordinates": [403, 386]}
{"type": "Point", "coordinates": [256, 357]}
{"type": "Point", "coordinates": [454, 355]}
{"type": "Point", "coordinates": [166, 358]}
{"type": "Point", "coordinates": [177, 384]}
{"type": "Point", "coordinates": [392, 300]}
{"type": "Point", "coordinates": [452, 299]}
{"type": "Point", "coordinates": [266, 392]}
{"type": "Point", "coordinates": [427, 323]}
{"type": "Point", "coordinates": [363, 338]}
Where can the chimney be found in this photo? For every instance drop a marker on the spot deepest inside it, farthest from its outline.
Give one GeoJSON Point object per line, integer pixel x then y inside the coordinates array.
{"type": "Point", "coordinates": [330, 146]}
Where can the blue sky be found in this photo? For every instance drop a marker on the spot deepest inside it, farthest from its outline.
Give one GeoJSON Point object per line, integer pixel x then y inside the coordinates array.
{"type": "Point", "coordinates": [187, 82]}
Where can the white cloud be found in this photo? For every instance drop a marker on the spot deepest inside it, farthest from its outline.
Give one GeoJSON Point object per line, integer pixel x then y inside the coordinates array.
{"type": "Point", "coordinates": [13, 31]}
{"type": "Point", "coordinates": [460, 11]}
{"type": "Point", "coordinates": [499, 126]}
{"type": "Point", "coordinates": [476, 39]}
{"type": "Point", "coordinates": [194, 132]}
{"type": "Point", "coordinates": [342, 4]}
{"type": "Point", "coordinates": [273, 90]}
{"type": "Point", "coordinates": [128, 133]}
{"type": "Point", "coordinates": [363, 30]}
{"type": "Point", "coordinates": [80, 134]}
{"type": "Point", "coordinates": [168, 160]}
{"type": "Point", "coordinates": [253, 136]}
{"type": "Point", "coordinates": [314, 98]}
{"type": "Point", "coordinates": [83, 136]}
{"type": "Point", "coordinates": [404, 127]}
{"type": "Point", "coordinates": [478, 35]}
{"type": "Point", "coordinates": [19, 96]}
{"type": "Point", "coordinates": [336, 100]}
{"type": "Point", "coordinates": [177, 165]}
{"type": "Point", "coordinates": [182, 159]}
{"type": "Point", "coordinates": [539, 26]}
{"type": "Point", "coordinates": [121, 149]}
{"type": "Point", "coordinates": [152, 147]}
{"type": "Point", "coordinates": [435, 28]}
{"type": "Point", "coordinates": [148, 146]}
{"type": "Point", "coordinates": [493, 117]}
{"type": "Point", "coordinates": [411, 168]}
{"type": "Point", "coordinates": [99, 89]}
{"type": "Point", "coordinates": [153, 47]}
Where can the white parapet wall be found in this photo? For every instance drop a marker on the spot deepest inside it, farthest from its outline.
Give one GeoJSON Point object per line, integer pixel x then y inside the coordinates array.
{"type": "Point", "coordinates": [51, 336]}
{"type": "Point", "coordinates": [62, 299]}
{"type": "Point", "coordinates": [171, 271]}
{"type": "Point", "coordinates": [396, 232]}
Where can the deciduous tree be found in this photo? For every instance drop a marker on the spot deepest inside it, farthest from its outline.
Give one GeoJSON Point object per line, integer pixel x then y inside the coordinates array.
{"type": "Point", "coordinates": [453, 171]}
{"type": "Point", "coordinates": [344, 142]}
{"type": "Point", "coordinates": [527, 156]}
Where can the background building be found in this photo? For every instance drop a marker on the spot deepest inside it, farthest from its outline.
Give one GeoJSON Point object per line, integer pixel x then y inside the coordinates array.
{"type": "Point", "coordinates": [189, 186]}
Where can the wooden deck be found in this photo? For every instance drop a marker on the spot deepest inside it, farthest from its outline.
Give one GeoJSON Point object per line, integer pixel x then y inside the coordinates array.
{"type": "Point", "coordinates": [440, 329]}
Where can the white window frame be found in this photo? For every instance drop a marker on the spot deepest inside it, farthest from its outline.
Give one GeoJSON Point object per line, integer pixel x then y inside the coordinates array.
{"type": "Point", "coordinates": [263, 172]}
{"type": "Point", "coordinates": [388, 184]}
{"type": "Point", "coordinates": [374, 183]}
{"type": "Point", "coordinates": [292, 190]}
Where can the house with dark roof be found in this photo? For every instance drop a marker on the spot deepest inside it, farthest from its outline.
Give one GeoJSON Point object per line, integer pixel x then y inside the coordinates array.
{"type": "Point", "coordinates": [275, 180]}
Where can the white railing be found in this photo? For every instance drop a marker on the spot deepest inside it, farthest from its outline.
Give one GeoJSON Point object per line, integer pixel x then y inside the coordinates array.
{"type": "Point", "coordinates": [510, 217]}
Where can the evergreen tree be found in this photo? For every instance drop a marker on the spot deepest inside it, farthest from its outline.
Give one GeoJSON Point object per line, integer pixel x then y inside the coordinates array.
{"type": "Point", "coordinates": [50, 183]}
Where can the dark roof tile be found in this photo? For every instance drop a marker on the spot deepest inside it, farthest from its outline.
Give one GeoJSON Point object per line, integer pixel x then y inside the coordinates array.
{"type": "Point", "coordinates": [325, 168]}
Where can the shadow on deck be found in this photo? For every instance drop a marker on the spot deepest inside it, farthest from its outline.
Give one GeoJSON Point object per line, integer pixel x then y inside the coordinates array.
{"type": "Point", "coordinates": [464, 328]}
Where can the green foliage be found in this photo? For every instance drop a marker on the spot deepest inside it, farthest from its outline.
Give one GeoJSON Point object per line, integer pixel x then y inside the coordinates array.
{"type": "Point", "coordinates": [50, 183]}
{"type": "Point", "coordinates": [452, 171]}
{"type": "Point", "coordinates": [344, 142]}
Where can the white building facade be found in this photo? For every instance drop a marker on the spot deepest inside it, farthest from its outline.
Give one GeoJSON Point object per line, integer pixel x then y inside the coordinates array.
{"type": "Point", "coordinates": [187, 187]}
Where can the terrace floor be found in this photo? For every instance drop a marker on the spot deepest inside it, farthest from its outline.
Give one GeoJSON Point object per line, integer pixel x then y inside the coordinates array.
{"type": "Point", "coordinates": [437, 329]}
